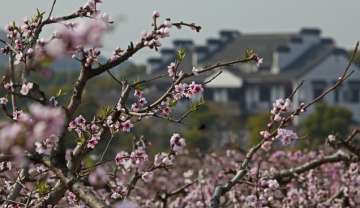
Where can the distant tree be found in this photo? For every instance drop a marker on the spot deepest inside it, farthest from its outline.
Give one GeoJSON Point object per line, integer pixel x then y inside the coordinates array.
{"type": "Point", "coordinates": [200, 124]}
{"type": "Point", "coordinates": [326, 120]}
{"type": "Point", "coordinates": [255, 124]}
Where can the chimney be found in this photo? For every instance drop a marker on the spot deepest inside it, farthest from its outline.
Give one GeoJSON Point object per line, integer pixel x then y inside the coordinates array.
{"type": "Point", "coordinates": [228, 35]}
{"type": "Point", "coordinates": [188, 44]}
{"type": "Point", "coordinates": [201, 53]}
{"type": "Point", "coordinates": [280, 58]}
{"type": "Point", "coordinates": [310, 36]}
{"type": "Point", "coordinates": [214, 44]}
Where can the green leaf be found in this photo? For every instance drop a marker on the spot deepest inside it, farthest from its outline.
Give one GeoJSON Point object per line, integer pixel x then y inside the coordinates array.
{"type": "Point", "coordinates": [173, 103]}
{"type": "Point", "coordinates": [138, 86]}
{"type": "Point", "coordinates": [180, 55]}
{"type": "Point", "coordinates": [42, 187]}
{"type": "Point", "coordinates": [81, 140]}
{"type": "Point", "coordinates": [59, 93]}
{"type": "Point", "coordinates": [104, 112]}
{"type": "Point", "coordinates": [249, 53]}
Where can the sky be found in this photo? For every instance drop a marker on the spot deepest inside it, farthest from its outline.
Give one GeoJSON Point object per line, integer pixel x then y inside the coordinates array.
{"type": "Point", "coordinates": [337, 19]}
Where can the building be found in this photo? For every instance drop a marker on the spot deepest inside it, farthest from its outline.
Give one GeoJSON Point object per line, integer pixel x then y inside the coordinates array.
{"type": "Point", "coordinates": [288, 59]}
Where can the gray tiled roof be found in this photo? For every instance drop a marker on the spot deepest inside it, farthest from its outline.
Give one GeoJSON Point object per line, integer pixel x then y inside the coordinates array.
{"type": "Point", "coordinates": [262, 44]}
{"type": "Point", "coordinates": [265, 45]}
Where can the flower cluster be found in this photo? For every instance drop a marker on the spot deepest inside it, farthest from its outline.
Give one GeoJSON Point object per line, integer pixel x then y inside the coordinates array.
{"type": "Point", "coordinates": [123, 125]}
{"type": "Point", "coordinates": [187, 90]}
{"type": "Point", "coordinates": [286, 136]}
{"type": "Point", "coordinates": [41, 123]}
{"type": "Point", "coordinates": [72, 37]}
{"type": "Point", "coordinates": [90, 8]}
{"type": "Point", "coordinates": [21, 38]}
{"type": "Point", "coordinates": [89, 130]}
{"type": "Point", "coordinates": [136, 159]}
{"type": "Point", "coordinates": [141, 101]}
{"type": "Point", "coordinates": [172, 70]}
{"type": "Point", "coordinates": [26, 87]}
{"type": "Point", "coordinates": [91, 57]}
{"type": "Point", "coordinates": [116, 54]}
{"type": "Point", "coordinates": [177, 143]}
{"type": "Point", "coordinates": [152, 39]}
{"type": "Point", "coordinates": [3, 100]}
{"type": "Point", "coordinates": [279, 107]}
{"type": "Point", "coordinates": [163, 159]}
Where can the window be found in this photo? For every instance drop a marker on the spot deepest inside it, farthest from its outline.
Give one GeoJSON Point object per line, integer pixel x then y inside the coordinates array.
{"type": "Point", "coordinates": [220, 95]}
{"type": "Point", "coordinates": [264, 94]}
{"type": "Point", "coordinates": [353, 92]}
{"type": "Point", "coordinates": [318, 88]}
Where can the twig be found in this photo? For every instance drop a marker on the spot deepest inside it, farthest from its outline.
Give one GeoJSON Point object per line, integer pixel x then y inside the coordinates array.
{"type": "Point", "coordinates": [336, 157]}
{"type": "Point", "coordinates": [12, 78]}
{"type": "Point", "coordinates": [114, 78]}
{"type": "Point", "coordinates": [214, 77]}
{"type": "Point", "coordinates": [52, 9]}
{"type": "Point", "coordinates": [340, 80]}
{"type": "Point", "coordinates": [106, 149]}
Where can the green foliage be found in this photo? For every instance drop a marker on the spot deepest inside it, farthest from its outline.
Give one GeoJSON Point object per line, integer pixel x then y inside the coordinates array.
{"type": "Point", "coordinates": [104, 112]}
{"type": "Point", "coordinates": [198, 134]}
{"type": "Point", "coordinates": [42, 187]}
{"type": "Point", "coordinates": [326, 120]}
{"type": "Point", "coordinates": [180, 55]}
{"type": "Point", "coordinates": [255, 124]}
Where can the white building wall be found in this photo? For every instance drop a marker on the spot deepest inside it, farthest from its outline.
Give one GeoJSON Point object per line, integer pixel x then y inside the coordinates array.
{"type": "Point", "coordinates": [225, 80]}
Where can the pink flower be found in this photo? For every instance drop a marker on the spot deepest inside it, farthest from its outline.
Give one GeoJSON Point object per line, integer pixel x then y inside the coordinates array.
{"type": "Point", "coordinates": [156, 14]}
{"type": "Point", "coordinates": [172, 70]}
{"type": "Point", "coordinates": [195, 88]}
{"type": "Point", "coordinates": [126, 204]}
{"type": "Point", "coordinates": [126, 126]}
{"type": "Point", "coordinates": [8, 135]}
{"type": "Point", "coordinates": [162, 159]}
{"type": "Point", "coordinates": [70, 39]}
{"type": "Point", "coordinates": [177, 143]}
{"type": "Point", "coordinates": [46, 146]}
{"type": "Point", "coordinates": [93, 142]}
{"type": "Point", "coordinates": [123, 159]}
{"type": "Point", "coordinates": [265, 134]}
{"type": "Point", "coordinates": [138, 93]}
{"type": "Point", "coordinates": [286, 136]}
{"type": "Point", "coordinates": [266, 145]}
{"type": "Point", "coordinates": [9, 85]}
{"type": "Point", "coordinates": [331, 138]}
{"type": "Point", "coordinates": [3, 101]}
{"type": "Point", "coordinates": [139, 157]}
{"type": "Point", "coordinates": [52, 118]}
{"type": "Point", "coordinates": [147, 176]}
{"type": "Point", "coordinates": [71, 198]}
{"type": "Point", "coordinates": [259, 61]}
{"type": "Point", "coordinates": [18, 58]}
{"type": "Point", "coordinates": [99, 177]}
{"type": "Point", "coordinates": [26, 87]}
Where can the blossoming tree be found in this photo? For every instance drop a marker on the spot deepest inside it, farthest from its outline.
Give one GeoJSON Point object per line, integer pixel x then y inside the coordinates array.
{"type": "Point", "coordinates": [38, 168]}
